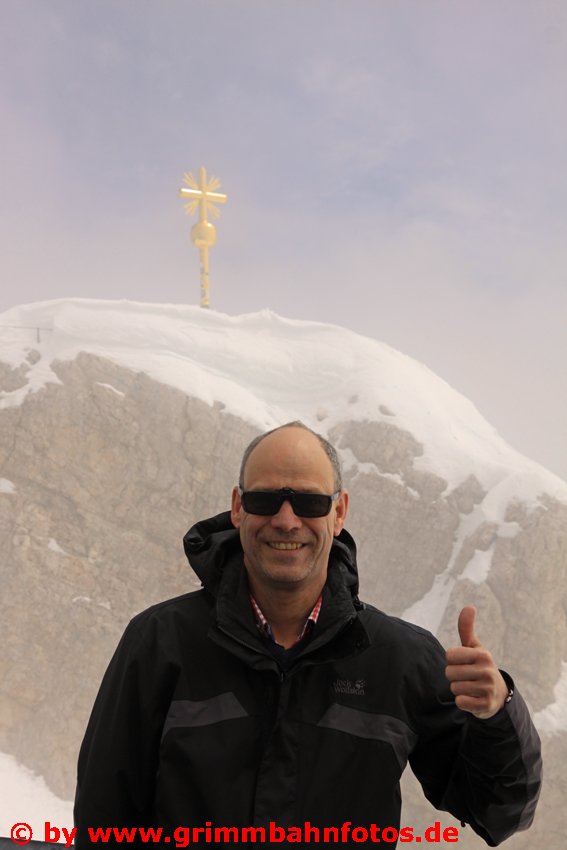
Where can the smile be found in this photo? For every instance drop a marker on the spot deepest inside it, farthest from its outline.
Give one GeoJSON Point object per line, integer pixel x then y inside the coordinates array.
{"type": "Point", "coordinates": [286, 545]}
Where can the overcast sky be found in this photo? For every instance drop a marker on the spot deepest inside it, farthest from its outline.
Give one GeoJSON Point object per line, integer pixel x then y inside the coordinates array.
{"type": "Point", "coordinates": [398, 167]}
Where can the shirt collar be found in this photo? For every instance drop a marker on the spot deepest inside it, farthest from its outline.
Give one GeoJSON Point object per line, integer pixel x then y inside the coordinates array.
{"type": "Point", "coordinates": [266, 630]}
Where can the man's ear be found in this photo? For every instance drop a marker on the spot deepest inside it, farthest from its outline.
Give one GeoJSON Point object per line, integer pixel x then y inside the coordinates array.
{"type": "Point", "coordinates": [236, 508]}
{"type": "Point", "coordinates": [341, 510]}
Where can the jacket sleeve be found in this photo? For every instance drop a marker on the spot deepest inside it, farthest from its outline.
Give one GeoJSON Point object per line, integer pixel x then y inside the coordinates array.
{"type": "Point", "coordinates": [486, 773]}
{"type": "Point", "coordinates": [118, 757]}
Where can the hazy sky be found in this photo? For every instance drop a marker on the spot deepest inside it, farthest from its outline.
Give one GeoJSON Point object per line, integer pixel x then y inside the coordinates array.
{"type": "Point", "coordinates": [398, 167]}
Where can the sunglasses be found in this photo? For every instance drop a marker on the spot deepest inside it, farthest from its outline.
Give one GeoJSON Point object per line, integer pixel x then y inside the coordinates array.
{"type": "Point", "coordinates": [268, 502]}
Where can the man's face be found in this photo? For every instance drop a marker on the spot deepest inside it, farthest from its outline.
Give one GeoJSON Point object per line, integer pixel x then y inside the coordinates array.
{"type": "Point", "coordinates": [284, 550]}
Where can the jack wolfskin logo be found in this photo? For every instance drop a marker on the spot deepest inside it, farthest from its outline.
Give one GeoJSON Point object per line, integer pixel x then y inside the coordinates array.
{"type": "Point", "coordinates": [345, 686]}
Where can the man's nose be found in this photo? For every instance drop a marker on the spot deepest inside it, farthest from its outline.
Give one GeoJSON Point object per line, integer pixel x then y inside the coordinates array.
{"type": "Point", "coordinates": [286, 518]}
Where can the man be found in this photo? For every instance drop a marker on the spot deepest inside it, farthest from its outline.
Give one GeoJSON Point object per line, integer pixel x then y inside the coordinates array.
{"type": "Point", "coordinates": [273, 695]}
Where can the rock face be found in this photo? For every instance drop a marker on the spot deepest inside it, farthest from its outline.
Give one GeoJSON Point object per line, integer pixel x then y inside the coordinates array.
{"type": "Point", "coordinates": [105, 472]}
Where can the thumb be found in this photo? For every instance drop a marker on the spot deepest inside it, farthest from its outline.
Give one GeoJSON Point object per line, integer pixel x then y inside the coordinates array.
{"type": "Point", "coordinates": [466, 628]}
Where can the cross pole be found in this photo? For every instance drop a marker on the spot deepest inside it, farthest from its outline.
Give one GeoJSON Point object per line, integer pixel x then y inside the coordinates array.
{"type": "Point", "coordinates": [201, 195]}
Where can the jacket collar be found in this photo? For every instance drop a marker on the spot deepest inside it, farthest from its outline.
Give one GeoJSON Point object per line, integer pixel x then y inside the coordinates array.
{"type": "Point", "coordinates": [214, 552]}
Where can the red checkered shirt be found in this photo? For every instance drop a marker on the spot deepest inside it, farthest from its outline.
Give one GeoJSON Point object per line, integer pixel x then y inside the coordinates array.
{"type": "Point", "coordinates": [266, 630]}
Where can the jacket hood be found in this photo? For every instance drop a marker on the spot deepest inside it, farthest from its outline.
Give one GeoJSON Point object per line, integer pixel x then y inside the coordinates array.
{"type": "Point", "coordinates": [211, 543]}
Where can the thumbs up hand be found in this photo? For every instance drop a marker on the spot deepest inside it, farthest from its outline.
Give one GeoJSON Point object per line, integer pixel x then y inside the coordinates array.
{"type": "Point", "coordinates": [475, 680]}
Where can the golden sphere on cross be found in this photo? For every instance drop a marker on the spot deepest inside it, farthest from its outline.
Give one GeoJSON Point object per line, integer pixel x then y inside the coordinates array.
{"type": "Point", "coordinates": [204, 234]}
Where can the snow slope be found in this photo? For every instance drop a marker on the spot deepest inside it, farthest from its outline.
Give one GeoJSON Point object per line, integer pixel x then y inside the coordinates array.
{"type": "Point", "coordinates": [268, 370]}
{"type": "Point", "coordinates": [25, 798]}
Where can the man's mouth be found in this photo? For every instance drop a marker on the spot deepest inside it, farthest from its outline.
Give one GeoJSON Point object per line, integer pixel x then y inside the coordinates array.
{"type": "Point", "coordinates": [278, 545]}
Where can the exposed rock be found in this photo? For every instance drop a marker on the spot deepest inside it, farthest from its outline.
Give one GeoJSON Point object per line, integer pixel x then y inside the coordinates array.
{"type": "Point", "coordinates": [12, 379]}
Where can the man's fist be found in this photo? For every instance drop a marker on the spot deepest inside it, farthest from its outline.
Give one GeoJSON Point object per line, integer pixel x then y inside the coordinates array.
{"type": "Point", "coordinates": [475, 680]}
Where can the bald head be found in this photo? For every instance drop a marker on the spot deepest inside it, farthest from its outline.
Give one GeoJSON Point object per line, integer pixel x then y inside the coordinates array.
{"type": "Point", "coordinates": [318, 441]}
{"type": "Point", "coordinates": [289, 454]}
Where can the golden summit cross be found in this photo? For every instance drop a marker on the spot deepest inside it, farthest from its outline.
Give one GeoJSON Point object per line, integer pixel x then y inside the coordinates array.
{"type": "Point", "coordinates": [202, 195]}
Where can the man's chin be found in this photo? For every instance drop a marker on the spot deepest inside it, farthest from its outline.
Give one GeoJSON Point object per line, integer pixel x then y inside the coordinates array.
{"type": "Point", "coordinates": [283, 572]}
{"type": "Point", "coordinates": [283, 568]}
{"type": "Point", "coordinates": [287, 576]}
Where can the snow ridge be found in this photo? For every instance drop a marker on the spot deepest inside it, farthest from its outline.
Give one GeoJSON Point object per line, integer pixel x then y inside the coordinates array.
{"type": "Point", "coordinates": [267, 370]}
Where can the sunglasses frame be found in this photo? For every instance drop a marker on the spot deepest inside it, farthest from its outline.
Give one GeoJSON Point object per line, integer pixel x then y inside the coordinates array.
{"type": "Point", "coordinates": [286, 494]}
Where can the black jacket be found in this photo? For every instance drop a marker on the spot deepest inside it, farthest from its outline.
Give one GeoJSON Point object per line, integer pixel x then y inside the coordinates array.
{"type": "Point", "coordinates": [195, 721]}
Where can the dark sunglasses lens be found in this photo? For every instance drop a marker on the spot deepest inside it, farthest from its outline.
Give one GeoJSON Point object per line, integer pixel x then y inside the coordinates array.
{"type": "Point", "coordinates": [262, 504]}
{"type": "Point", "coordinates": [311, 505]}
{"type": "Point", "coordinates": [308, 505]}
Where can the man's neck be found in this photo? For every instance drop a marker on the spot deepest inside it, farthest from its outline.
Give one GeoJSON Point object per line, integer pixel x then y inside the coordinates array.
{"type": "Point", "coordinates": [286, 610]}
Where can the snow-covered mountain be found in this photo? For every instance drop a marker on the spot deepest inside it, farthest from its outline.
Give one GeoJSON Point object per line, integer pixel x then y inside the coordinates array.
{"type": "Point", "coordinates": [265, 369]}
{"type": "Point", "coordinates": [122, 423]}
